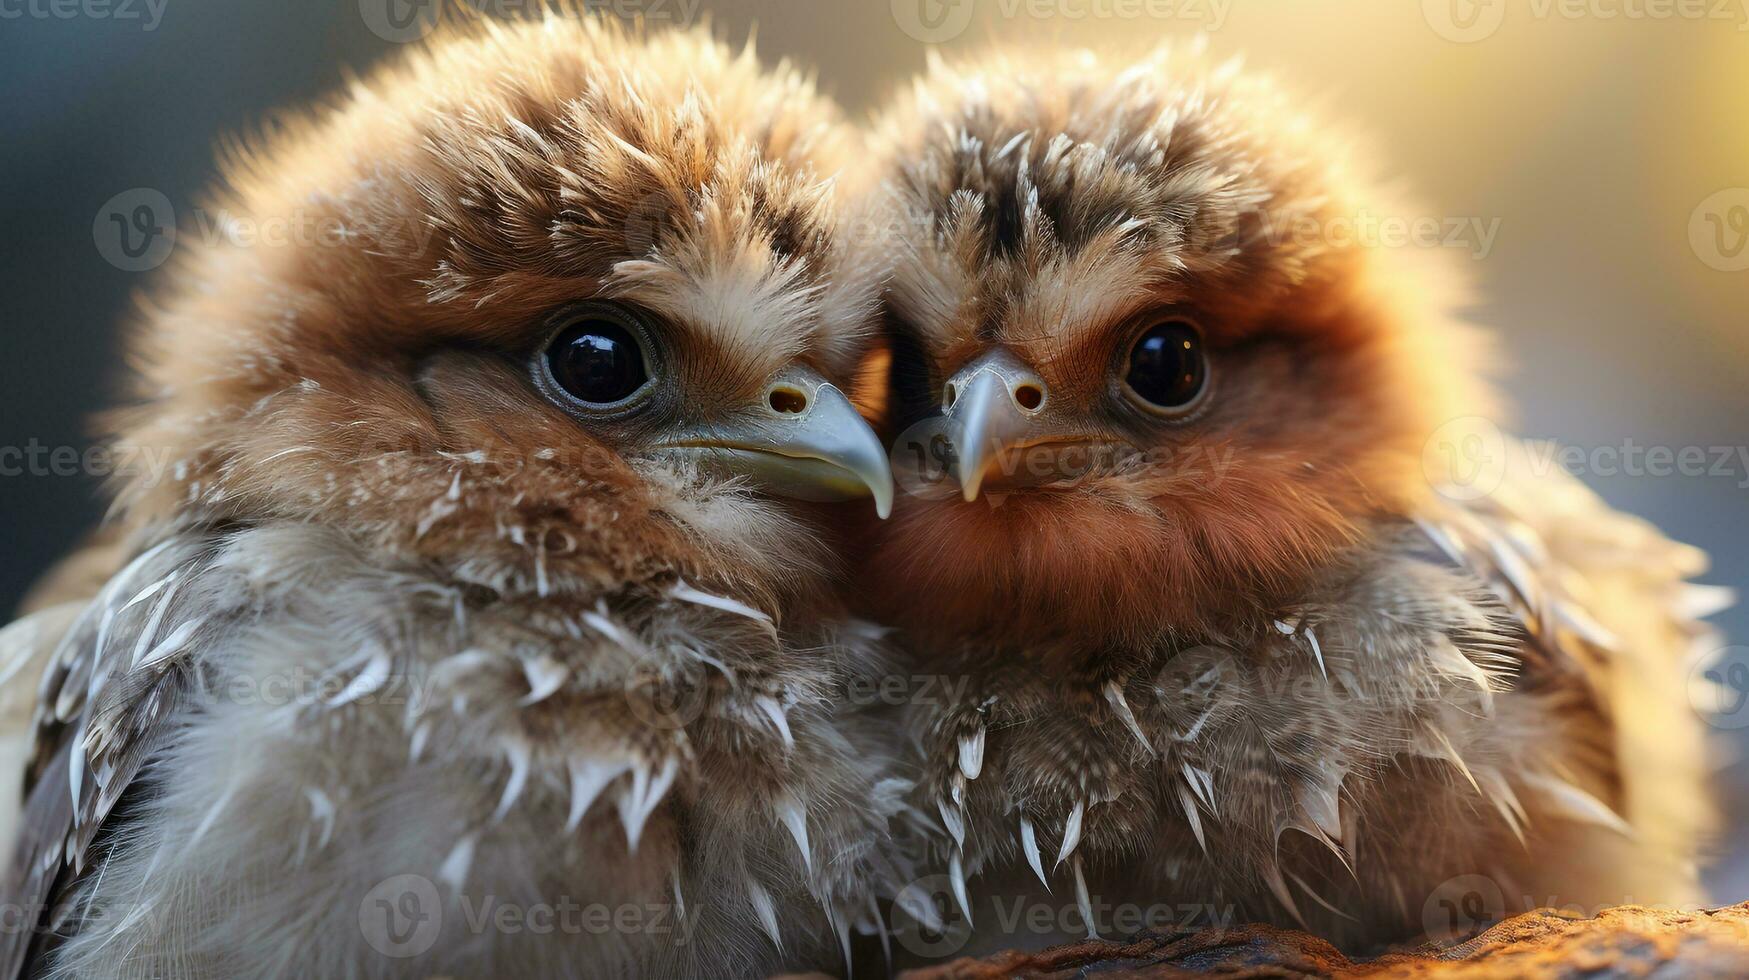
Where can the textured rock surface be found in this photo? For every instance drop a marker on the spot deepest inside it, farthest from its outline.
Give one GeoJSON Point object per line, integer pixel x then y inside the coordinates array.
{"type": "Point", "coordinates": [1629, 941]}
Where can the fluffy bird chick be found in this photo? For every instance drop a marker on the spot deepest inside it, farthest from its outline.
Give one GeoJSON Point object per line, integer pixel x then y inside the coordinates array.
{"type": "Point", "coordinates": [487, 579]}
{"type": "Point", "coordinates": [1217, 641]}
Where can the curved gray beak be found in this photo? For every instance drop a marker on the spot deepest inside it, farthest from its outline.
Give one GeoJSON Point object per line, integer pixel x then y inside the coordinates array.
{"type": "Point", "coordinates": [805, 440]}
{"type": "Point", "coordinates": [995, 404]}
{"type": "Point", "coordinates": [1004, 426]}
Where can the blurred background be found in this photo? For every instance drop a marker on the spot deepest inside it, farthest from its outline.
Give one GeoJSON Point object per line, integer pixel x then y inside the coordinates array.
{"type": "Point", "coordinates": [1588, 158]}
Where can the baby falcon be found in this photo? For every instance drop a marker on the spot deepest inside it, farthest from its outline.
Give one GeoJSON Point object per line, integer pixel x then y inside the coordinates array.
{"type": "Point", "coordinates": [485, 584]}
{"type": "Point", "coordinates": [1222, 643]}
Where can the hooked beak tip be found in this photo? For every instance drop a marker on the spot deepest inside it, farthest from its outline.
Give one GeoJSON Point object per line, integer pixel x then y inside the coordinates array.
{"type": "Point", "coordinates": [826, 453]}
{"type": "Point", "coordinates": [976, 423]}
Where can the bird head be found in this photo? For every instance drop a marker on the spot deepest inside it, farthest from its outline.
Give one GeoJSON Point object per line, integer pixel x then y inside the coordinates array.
{"type": "Point", "coordinates": [1156, 377]}
{"type": "Point", "coordinates": [551, 303]}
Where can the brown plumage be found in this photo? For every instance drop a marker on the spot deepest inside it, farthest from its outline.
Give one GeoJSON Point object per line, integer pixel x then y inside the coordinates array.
{"type": "Point", "coordinates": [1226, 644]}
{"type": "Point", "coordinates": [412, 600]}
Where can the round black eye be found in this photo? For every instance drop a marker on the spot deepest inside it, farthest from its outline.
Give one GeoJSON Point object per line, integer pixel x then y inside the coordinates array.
{"type": "Point", "coordinates": [598, 361]}
{"type": "Point", "coordinates": [1168, 366]}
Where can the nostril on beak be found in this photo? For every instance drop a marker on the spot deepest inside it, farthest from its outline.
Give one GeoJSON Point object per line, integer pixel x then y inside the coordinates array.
{"type": "Point", "coordinates": [1029, 396]}
{"type": "Point", "coordinates": [951, 395]}
{"type": "Point", "coordinates": [786, 400]}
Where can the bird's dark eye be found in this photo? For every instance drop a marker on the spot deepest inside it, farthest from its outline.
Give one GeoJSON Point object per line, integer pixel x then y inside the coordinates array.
{"type": "Point", "coordinates": [1168, 367]}
{"type": "Point", "coordinates": [597, 360]}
